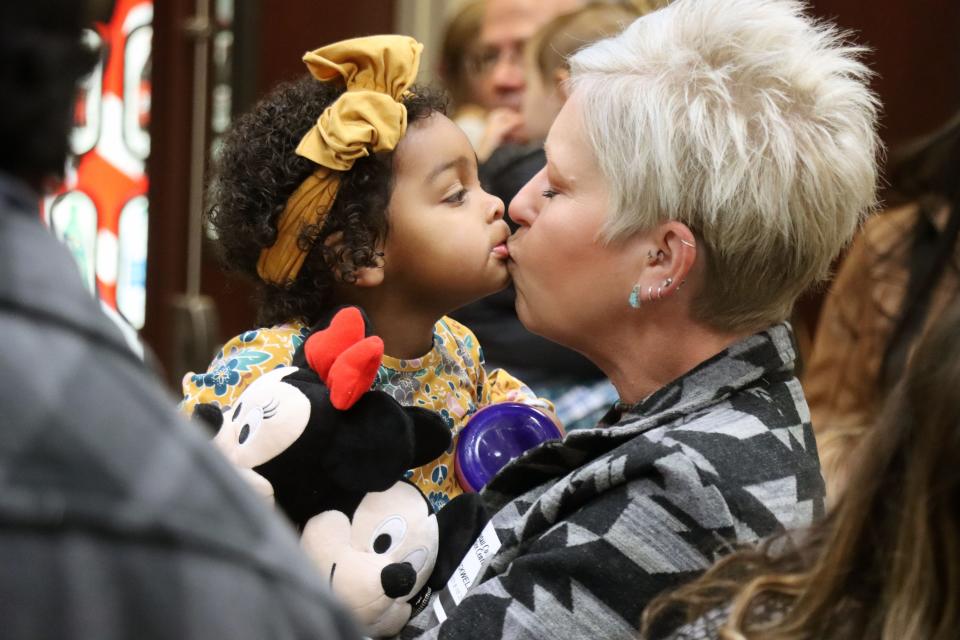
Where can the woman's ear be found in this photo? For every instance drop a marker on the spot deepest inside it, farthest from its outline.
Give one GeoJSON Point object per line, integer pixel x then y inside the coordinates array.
{"type": "Point", "coordinates": [670, 253]}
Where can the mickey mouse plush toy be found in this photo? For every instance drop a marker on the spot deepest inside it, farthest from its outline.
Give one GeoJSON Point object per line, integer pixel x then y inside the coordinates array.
{"type": "Point", "coordinates": [332, 454]}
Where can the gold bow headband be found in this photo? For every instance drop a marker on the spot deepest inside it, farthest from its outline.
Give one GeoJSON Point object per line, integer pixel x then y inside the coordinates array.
{"type": "Point", "coordinates": [367, 118]}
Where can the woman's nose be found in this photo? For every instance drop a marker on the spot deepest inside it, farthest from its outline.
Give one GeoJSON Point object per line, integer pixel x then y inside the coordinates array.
{"type": "Point", "coordinates": [525, 205]}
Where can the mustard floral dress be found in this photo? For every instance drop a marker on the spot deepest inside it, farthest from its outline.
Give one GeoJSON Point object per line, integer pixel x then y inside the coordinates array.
{"type": "Point", "coordinates": [450, 380]}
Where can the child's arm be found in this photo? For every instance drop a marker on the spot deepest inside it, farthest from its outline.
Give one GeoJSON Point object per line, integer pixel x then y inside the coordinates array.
{"type": "Point", "coordinates": [500, 386]}
{"type": "Point", "coordinates": [242, 360]}
{"type": "Point", "coordinates": [494, 387]}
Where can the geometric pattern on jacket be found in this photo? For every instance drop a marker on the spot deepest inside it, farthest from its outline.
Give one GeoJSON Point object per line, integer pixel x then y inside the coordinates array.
{"type": "Point", "coordinates": [594, 526]}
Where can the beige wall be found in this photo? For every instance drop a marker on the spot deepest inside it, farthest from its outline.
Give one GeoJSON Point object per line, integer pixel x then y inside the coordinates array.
{"type": "Point", "coordinates": [424, 20]}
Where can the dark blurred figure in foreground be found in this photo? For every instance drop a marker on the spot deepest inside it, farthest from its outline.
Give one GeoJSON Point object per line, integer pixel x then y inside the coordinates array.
{"type": "Point", "coordinates": [116, 519]}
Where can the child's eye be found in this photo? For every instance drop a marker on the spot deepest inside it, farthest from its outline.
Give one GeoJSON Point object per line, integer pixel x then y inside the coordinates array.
{"type": "Point", "coordinates": [549, 193]}
{"type": "Point", "coordinates": [458, 198]}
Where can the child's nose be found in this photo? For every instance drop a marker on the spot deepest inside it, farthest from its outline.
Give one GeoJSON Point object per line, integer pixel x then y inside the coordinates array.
{"type": "Point", "coordinates": [497, 207]}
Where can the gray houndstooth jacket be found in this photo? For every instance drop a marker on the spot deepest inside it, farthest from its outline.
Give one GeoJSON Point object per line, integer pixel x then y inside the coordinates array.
{"type": "Point", "coordinates": [595, 526]}
{"type": "Point", "coordinates": [117, 519]}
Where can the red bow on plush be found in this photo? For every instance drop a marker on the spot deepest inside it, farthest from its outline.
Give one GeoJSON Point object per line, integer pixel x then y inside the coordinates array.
{"type": "Point", "coordinates": [345, 360]}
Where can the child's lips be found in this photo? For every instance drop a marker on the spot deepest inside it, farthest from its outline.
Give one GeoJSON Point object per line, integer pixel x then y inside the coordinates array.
{"type": "Point", "coordinates": [501, 251]}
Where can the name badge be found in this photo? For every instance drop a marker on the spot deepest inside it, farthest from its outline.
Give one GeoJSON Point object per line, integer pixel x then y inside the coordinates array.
{"type": "Point", "coordinates": [470, 567]}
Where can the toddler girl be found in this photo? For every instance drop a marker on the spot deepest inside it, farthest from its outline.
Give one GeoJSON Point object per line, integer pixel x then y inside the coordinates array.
{"type": "Point", "coordinates": [346, 188]}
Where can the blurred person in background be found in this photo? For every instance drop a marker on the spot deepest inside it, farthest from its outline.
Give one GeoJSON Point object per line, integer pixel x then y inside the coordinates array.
{"type": "Point", "coordinates": [546, 60]}
{"type": "Point", "coordinates": [900, 274]}
{"type": "Point", "coordinates": [497, 65]}
{"type": "Point", "coordinates": [470, 96]}
{"type": "Point", "coordinates": [507, 26]}
{"type": "Point", "coordinates": [117, 519]}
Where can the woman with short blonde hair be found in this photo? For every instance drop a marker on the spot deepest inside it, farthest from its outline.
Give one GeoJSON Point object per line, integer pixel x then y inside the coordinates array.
{"type": "Point", "coordinates": [761, 141]}
{"type": "Point", "coordinates": [710, 163]}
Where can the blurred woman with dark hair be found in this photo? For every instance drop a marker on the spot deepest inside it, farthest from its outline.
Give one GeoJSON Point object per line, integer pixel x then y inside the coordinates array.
{"type": "Point", "coordinates": [885, 563]}
{"type": "Point", "coordinates": [900, 274]}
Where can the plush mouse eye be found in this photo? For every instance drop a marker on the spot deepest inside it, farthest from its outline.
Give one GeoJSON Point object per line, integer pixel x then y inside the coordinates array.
{"type": "Point", "coordinates": [388, 535]}
{"type": "Point", "coordinates": [251, 422]}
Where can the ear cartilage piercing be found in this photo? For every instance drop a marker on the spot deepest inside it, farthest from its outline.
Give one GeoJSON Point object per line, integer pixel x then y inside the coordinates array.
{"type": "Point", "coordinates": [635, 296]}
{"type": "Point", "coordinates": [659, 293]}
{"type": "Point", "coordinates": [688, 243]}
{"type": "Point", "coordinates": [649, 293]}
{"type": "Point", "coordinates": [667, 282]}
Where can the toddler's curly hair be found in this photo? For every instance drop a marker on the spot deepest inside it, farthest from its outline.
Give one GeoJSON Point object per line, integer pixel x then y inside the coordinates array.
{"type": "Point", "coordinates": [257, 170]}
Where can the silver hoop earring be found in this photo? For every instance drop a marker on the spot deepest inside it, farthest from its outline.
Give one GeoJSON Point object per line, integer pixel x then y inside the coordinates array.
{"type": "Point", "coordinates": [635, 296]}
{"type": "Point", "coordinates": [659, 293]}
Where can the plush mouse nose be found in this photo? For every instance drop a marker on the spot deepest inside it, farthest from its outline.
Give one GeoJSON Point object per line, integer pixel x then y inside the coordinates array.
{"type": "Point", "coordinates": [398, 579]}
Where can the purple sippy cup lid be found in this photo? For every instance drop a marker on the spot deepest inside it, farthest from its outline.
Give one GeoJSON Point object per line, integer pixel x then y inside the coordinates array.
{"type": "Point", "coordinates": [497, 434]}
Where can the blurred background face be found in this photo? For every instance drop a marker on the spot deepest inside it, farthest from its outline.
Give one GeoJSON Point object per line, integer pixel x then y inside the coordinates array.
{"type": "Point", "coordinates": [547, 52]}
{"type": "Point", "coordinates": [507, 25]}
{"type": "Point", "coordinates": [542, 101]}
{"type": "Point", "coordinates": [479, 89]}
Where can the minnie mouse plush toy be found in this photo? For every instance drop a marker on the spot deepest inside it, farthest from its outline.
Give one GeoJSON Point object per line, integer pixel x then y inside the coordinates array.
{"type": "Point", "coordinates": [332, 455]}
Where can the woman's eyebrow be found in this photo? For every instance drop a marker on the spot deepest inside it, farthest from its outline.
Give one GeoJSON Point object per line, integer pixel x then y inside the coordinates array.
{"type": "Point", "coordinates": [552, 170]}
{"type": "Point", "coordinates": [550, 164]}
{"type": "Point", "coordinates": [446, 166]}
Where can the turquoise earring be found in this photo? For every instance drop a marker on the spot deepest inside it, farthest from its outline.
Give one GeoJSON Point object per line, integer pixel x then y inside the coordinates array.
{"type": "Point", "coordinates": [635, 297]}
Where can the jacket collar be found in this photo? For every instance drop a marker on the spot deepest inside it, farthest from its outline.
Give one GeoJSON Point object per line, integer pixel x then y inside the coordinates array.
{"type": "Point", "coordinates": [763, 358]}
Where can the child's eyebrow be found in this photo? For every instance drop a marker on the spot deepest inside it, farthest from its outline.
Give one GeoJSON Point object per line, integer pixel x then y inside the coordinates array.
{"type": "Point", "coordinates": [446, 166]}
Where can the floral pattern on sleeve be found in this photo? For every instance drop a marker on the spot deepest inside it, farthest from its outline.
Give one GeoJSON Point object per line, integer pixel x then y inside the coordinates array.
{"type": "Point", "coordinates": [242, 360]}
{"type": "Point", "coordinates": [451, 381]}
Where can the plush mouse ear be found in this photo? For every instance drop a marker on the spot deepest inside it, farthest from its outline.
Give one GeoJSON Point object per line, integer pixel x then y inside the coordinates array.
{"type": "Point", "coordinates": [431, 436]}
{"type": "Point", "coordinates": [323, 347]}
{"type": "Point", "coordinates": [345, 360]}
{"type": "Point", "coordinates": [352, 373]}
{"type": "Point", "coordinates": [371, 445]}
{"type": "Point", "coordinates": [459, 522]}
{"type": "Point", "coordinates": [209, 415]}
